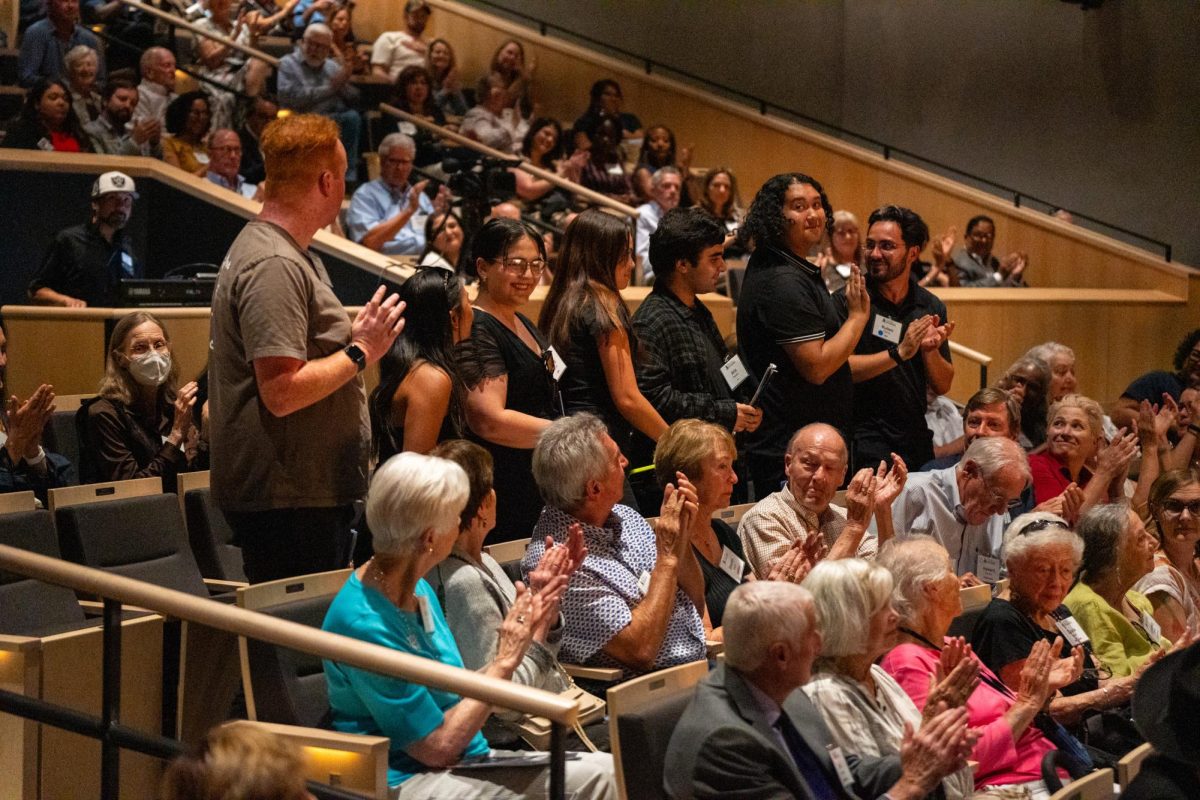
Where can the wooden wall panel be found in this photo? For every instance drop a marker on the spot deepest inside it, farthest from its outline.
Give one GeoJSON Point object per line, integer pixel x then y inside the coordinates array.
{"type": "Point", "coordinates": [1116, 336]}
{"type": "Point", "coordinates": [757, 147]}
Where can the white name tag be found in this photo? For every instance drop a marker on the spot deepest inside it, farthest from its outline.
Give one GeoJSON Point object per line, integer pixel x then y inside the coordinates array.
{"type": "Point", "coordinates": [644, 582]}
{"type": "Point", "coordinates": [887, 329]}
{"type": "Point", "coordinates": [843, 768]}
{"type": "Point", "coordinates": [987, 568]}
{"type": "Point", "coordinates": [1072, 631]}
{"type": "Point", "coordinates": [426, 613]}
{"type": "Point", "coordinates": [44, 144]}
{"type": "Point", "coordinates": [1151, 627]}
{"type": "Point", "coordinates": [560, 366]}
{"type": "Point", "coordinates": [733, 566]}
{"type": "Point", "coordinates": [734, 372]}
{"type": "Point", "coordinates": [615, 169]}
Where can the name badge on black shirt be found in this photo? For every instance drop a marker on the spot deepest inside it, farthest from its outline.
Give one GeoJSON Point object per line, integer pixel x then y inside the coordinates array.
{"type": "Point", "coordinates": [887, 328]}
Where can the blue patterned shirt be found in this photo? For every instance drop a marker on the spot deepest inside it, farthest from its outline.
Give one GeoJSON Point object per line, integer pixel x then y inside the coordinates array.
{"type": "Point", "coordinates": [375, 202]}
{"type": "Point", "coordinates": [603, 592]}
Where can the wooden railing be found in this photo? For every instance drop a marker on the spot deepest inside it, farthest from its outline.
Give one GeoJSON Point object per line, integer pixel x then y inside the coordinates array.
{"type": "Point", "coordinates": [118, 590]}
{"type": "Point", "coordinates": [180, 22]}
{"type": "Point", "coordinates": [519, 162]}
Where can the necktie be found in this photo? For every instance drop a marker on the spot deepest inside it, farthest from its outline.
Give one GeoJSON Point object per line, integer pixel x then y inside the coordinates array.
{"type": "Point", "coordinates": [810, 768]}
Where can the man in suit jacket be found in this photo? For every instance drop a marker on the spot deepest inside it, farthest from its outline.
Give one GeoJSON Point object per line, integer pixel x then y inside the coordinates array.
{"type": "Point", "coordinates": [749, 734]}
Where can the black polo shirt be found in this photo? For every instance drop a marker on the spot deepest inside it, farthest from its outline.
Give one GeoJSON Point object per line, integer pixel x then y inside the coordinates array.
{"type": "Point", "coordinates": [82, 264]}
{"type": "Point", "coordinates": [784, 301]}
{"type": "Point", "coordinates": [889, 409]}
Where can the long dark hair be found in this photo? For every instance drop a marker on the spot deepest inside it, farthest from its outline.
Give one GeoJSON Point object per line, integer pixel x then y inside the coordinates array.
{"type": "Point", "coordinates": [585, 278]}
{"type": "Point", "coordinates": [180, 107]}
{"type": "Point", "coordinates": [544, 122]}
{"type": "Point", "coordinates": [400, 95]}
{"type": "Point", "coordinates": [430, 295]}
{"type": "Point", "coordinates": [71, 125]}
{"type": "Point", "coordinates": [435, 223]}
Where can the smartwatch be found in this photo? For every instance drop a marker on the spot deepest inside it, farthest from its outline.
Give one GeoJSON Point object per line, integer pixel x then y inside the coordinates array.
{"type": "Point", "coordinates": [357, 356]}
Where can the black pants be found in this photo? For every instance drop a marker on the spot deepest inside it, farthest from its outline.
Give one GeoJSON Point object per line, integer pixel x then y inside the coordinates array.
{"type": "Point", "coordinates": [286, 542]}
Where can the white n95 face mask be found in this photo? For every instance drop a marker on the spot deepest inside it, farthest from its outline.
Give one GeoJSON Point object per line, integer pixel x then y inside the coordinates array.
{"type": "Point", "coordinates": [150, 369]}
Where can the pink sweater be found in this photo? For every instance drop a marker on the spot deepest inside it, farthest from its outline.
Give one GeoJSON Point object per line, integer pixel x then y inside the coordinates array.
{"type": "Point", "coordinates": [1000, 761]}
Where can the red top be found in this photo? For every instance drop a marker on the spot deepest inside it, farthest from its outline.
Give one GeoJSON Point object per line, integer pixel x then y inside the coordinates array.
{"type": "Point", "coordinates": [65, 142]}
{"type": "Point", "coordinates": [1051, 477]}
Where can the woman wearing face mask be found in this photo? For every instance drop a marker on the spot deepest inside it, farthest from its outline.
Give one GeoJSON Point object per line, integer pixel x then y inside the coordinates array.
{"type": "Point", "coordinates": [141, 425]}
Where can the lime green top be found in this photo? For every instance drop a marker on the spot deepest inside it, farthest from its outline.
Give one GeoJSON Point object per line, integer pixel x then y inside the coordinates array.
{"type": "Point", "coordinates": [1117, 643]}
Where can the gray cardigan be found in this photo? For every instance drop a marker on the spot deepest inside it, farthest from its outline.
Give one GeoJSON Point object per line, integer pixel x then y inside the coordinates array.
{"type": "Point", "coordinates": [475, 597]}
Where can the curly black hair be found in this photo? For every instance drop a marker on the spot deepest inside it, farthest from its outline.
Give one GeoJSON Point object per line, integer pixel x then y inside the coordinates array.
{"type": "Point", "coordinates": [1185, 349]}
{"type": "Point", "coordinates": [764, 220]}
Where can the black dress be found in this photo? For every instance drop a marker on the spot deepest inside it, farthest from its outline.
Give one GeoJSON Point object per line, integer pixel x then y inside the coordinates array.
{"type": "Point", "coordinates": [584, 385]}
{"type": "Point", "coordinates": [718, 585]}
{"type": "Point", "coordinates": [492, 351]}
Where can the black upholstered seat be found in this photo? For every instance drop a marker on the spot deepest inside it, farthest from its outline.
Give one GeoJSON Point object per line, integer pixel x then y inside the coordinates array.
{"type": "Point", "coordinates": [211, 538]}
{"type": "Point", "coordinates": [138, 537]}
{"type": "Point", "coordinates": [29, 607]}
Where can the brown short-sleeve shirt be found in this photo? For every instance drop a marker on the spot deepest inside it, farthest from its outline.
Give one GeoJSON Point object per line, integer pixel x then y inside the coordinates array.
{"type": "Point", "coordinates": [274, 299]}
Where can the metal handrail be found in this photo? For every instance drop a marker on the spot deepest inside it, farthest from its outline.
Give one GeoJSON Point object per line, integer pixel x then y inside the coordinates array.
{"type": "Point", "coordinates": [293, 635]}
{"type": "Point", "coordinates": [520, 162]}
{"type": "Point", "coordinates": [180, 22]}
{"type": "Point", "coordinates": [650, 66]}
{"type": "Point", "coordinates": [982, 359]}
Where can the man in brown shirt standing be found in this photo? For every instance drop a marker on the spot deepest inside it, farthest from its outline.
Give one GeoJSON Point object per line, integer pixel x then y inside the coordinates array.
{"type": "Point", "coordinates": [288, 415]}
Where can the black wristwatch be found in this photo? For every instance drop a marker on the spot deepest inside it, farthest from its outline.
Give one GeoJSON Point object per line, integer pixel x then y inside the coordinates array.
{"type": "Point", "coordinates": [357, 356]}
{"type": "Point", "coordinates": [894, 352]}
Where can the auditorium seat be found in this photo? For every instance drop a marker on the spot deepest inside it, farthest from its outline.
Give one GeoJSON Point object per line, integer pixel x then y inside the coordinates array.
{"type": "Point", "coordinates": [1131, 763]}
{"type": "Point", "coordinates": [49, 650]}
{"type": "Point", "coordinates": [139, 537]}
{"type": "Point", "coordinates": [974, 600]}
{"type": "Point", "coordinates": [1097, 785]}
{"type": "Point", "coordinates": [283, 685]}
{"type": "Point", "coordinates": [208, 531]}
{"type": "Point", "coordinates": [60, 435]}
{"type": "Point", "coordinates": [30, 607]}
{"type": "Point", "coordinates": [642, 714]}
{"type": "Point", "coordinates": [143, 537]}
{"type": "Point", "coordinates": [508, 555]}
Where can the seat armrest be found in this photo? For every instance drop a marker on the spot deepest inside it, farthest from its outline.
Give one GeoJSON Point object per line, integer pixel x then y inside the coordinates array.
{"type": "Point", "coordinates": [714, 648]}
{"type": "Point", "coordinates": [605, 674]}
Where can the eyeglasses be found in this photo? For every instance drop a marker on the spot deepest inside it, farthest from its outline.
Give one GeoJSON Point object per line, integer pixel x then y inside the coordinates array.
{"type": "Point", "coordinates": [1175, 508]}
{"type": "Point", "coordinates": [885, 247]}
{"type": "Point", "coordinates": [998, 500]}
{"type": "Point", "coordinates": [518, 266]}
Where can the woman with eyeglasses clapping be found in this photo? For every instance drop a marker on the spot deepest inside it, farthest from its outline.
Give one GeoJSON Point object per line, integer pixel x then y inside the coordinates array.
{"type": "Point", "coordinates": [512, 394]}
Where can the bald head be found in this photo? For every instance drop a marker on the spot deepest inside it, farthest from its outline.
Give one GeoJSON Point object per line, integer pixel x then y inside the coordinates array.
{"type": "Point", "coordinates": [157, 65]}
{"type": "Point", "coordinates": [815, 465]}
